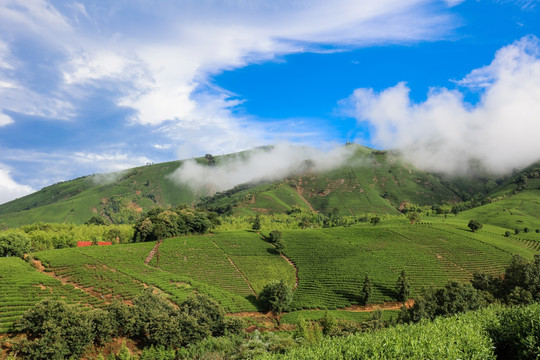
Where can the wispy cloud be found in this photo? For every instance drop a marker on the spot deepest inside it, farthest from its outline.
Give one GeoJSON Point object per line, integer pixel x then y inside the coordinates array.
{"type": "Point", "coordinates": [445, 133]}
{"type": "Point", "coordinates": [258, 165]}
{"type": "Point", "coordinates": [159, 57]}
{"type": "Point", "coordinates": [155, 62]}
{"type": "Point", "coordinates": [9, 188]}
{"type": "Point", "coordinates": [48, 167]}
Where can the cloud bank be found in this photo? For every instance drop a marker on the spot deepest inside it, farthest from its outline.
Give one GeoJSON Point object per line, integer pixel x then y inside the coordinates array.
{"type": "Point", "coordinates": [445, 133]}
{"type": "Point", "coordinates": [267, 164]}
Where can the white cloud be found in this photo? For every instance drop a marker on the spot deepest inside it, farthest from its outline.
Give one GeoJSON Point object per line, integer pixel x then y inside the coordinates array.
{"type": "Point", "coordinates": [6, 60]}
{"type": "Point", "coordinates": [108, 162]}
{"type": "Point", "coordinates": [35, 17]}
{"type": "Point", "coordinates": [9, 188]}
{"type": "Point", "coordinates": [5, 119]}
{"type": "Point", "coordinates": [158, 58]}
{"type": "Point", "coordinates": [444, 133]}
{"type": "Point", "coordinates": [158, 61]}
{"type": "Point", "coordinates": [45, 168]}
{"type": "Point", "coordinates": [272, 164]}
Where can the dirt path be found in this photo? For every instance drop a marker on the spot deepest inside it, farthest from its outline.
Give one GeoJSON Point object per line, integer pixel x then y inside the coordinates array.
{"type": "Point", "coordinates": [267, 317]}
{"type": "Point", "coordinates": [153, 252]}
{"type": "Point", "coordinates": [384, 306]}
{"type": "Point", "coordinates": [65, 280]}
{"type": "Point", "coordinates": [237, 269]}
{"type": "Point", "coordinates": [299, 190]}
{"type": "Point", "coordinates": [297, 279]}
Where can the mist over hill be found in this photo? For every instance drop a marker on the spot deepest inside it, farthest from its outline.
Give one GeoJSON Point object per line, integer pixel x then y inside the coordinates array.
{"type": "Point", "coordinates": [351, 180]}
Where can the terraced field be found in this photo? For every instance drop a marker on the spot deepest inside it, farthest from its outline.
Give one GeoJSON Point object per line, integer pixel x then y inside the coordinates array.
{"type": "Point", "coordinates": [332, 263]}
{"type": "Point", "coordinates": [22, 287]}
{"type": "Point", "coordinates": [233, 266]}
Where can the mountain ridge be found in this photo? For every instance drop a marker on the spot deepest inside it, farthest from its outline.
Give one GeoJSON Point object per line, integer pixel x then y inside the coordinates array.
{"type": "Point", "coordinates": [368, 181]}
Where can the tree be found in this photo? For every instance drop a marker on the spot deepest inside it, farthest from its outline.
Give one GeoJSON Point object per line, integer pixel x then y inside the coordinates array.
{"type": "Point", "coordinates": [274, 236]}
{"type": "Point", "coordinates": [474, 225]}
{"type": "Point", "coordinates": [276, 296]}
{"type": "Point", "coordinates": [14, 244]}
{"type": "Point", "coordinates": [414, 217]}
{"type": "Point", "coordinates": [366, 290]}
{"type": "Point", "coordinates": [211, 160]}
{"type": "Point", "coordinates": [375, 220]}
{"type": "Point", "coordinates": [280, 246]}
{"type": "Point", "coordinates": [403, 288]}
{"type": "Point", "coordinates": [56, 330]}
{"type": "Point", "coordinates": [256, 223]}
{"type": "Point", "coordinates": [452, 299]}
{"type": "Point", "coordinates": [96, 220]}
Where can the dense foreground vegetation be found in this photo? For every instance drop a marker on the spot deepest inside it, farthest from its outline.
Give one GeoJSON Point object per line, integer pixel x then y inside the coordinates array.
{"type": "Point", "coordinates": [505, 333]}
{"type": "Point", "coordinates": [56, 331]}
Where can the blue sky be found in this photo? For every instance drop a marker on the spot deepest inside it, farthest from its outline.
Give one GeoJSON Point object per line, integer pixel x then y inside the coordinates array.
{"type": "Point", "coordinates": [99, 86]}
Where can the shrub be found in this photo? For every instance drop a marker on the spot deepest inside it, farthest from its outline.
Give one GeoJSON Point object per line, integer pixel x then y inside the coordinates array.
{"type": "Point", "coordinates": [55, 331]}
{"type": "Point", "coordinates": [14, 244]}
{"type": "Point", "coordinates": [276, 296]}
{"type": "Point", "coordinates": [516, 334]}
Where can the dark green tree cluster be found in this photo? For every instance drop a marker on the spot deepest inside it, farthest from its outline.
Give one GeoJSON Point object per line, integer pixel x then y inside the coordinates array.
{"type": "Point", "coordinates": [55, 330]}
{"type": "Point", "coordinates": [365, 295]}
{"type": "Point", "coordinates": [14, 244]}
{"type": "Point", "coordinates": [256, 223]}
{"type": "Point", "coordinates": [159, 223]}
{"type": "Point", "coordinates": [451, 299]}
{"type": "Point", "coordinates": [403, 287]}
{"type": "Point", "coordinates": [96, 220]}
{"type": "Point", "coordinates": [519, 285]}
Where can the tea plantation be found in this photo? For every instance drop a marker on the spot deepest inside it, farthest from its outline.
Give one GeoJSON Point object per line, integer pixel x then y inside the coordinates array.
{"type": "Point", "coordinates": [233, 266]}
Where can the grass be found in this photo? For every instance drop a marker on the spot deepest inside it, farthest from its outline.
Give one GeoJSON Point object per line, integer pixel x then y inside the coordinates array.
{"type": "Point", "coordinates": [368, 182]}
{"type": "Point", "coordinates": [516, 212]}
{"type": "Point", "coordinates": [232, 267]}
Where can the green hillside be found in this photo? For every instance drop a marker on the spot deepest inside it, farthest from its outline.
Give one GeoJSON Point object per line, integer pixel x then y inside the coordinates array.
{"type": "Point", "coordinates": [519, 211]}
{"type": "Point", "coordinates": [233, 266]}
{"type": "Point", "coordinates": [369, 181]}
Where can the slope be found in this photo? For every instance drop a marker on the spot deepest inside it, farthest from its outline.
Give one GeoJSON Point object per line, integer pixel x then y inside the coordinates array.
{"type": "Point", "coordinates": [368, 181]}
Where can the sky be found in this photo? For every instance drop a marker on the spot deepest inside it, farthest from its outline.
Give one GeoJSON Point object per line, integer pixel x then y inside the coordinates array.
{"type": "Point", "coordinates": [100, 86]}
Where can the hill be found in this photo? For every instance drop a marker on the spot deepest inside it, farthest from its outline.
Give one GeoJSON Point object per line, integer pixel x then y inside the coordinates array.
{"type": "Point", "coordinates": [365, 181]}
{"type": "Point", "coordinates": [327, 266]}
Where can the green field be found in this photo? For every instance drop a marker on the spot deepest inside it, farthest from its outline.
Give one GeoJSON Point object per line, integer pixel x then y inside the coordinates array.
{"type": "Point", "coordinates": [516, 212]}
{"type": "Point", "coordinates": [233, 266]}
{"type": "Point", "coordinates": [332, 263]}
